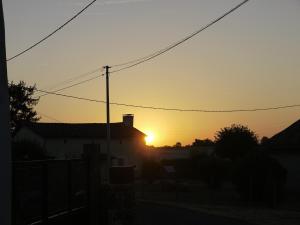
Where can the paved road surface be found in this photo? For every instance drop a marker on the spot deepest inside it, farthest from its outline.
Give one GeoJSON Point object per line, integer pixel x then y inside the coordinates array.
{"type": "Point", "coordinates": [152, 214]}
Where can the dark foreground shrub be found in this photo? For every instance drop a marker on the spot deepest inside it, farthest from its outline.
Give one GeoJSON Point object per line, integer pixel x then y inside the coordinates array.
{"type": "Point", "coordinates": [213, 171]}
{"type": "Point", "coordinates": [260, 178]}
{"type": "Point", "coordinates": [28, 150]}
{"type": "Point", "coordinates": [151, 170]}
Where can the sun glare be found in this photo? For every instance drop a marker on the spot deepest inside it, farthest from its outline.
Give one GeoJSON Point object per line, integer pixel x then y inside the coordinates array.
{"type": "Point", "coordinates": [149, 138]}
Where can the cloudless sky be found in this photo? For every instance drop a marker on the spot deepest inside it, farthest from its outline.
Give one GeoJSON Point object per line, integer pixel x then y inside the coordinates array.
{"type": "Point", "coordinates": [250, 59]}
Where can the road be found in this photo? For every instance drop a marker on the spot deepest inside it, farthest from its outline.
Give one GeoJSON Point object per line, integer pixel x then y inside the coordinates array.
{"type": "Point", "coordinates": [152, 214]}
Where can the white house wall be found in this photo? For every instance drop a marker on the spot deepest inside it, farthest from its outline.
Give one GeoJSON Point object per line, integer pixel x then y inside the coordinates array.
{"type": "Point", "coordinates": [130, 150]}
{"type": "Point", "coordinates": [73, 148]}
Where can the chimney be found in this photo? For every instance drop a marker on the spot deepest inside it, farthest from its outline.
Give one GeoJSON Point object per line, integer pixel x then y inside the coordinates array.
{"type": "Point", "coordinates": [128, 120]}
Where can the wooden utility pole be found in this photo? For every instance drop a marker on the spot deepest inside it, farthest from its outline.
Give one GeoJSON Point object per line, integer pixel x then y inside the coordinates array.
{"type": "Point", "coordinates": [5, 153]}
{"type": "Point", "coordinates": [108, 123]}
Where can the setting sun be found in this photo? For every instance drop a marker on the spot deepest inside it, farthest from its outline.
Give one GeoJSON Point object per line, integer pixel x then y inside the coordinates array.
{"type": "Point", "coordinates": [149, 138]}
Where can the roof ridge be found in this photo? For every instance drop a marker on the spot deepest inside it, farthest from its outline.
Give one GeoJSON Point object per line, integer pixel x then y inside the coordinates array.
{"type": "Point", "coordinates": [83, 130]}
{"type": "Point", "coordinates": [69, 123]}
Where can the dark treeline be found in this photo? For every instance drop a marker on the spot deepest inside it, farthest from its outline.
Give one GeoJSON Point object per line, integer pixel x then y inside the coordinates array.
{"type": "Point", "coordinates": [238, 158]}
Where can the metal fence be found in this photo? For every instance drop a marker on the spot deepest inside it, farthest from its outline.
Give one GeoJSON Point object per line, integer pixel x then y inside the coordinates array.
{"type": "Point", "coordinates": [50, 192]}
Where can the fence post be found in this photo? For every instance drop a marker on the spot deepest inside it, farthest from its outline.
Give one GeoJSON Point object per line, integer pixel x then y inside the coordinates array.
{"type": "Point", "coordinates": [70, 185]}
{"type": "Point", "coordinates": [5, 150]}
{"type": "Point", "coordinates": [13, 196]}
{"type": "Point", "coordinates": [93, 156]}
{"type": "Point", "coordinates": [45, 193]}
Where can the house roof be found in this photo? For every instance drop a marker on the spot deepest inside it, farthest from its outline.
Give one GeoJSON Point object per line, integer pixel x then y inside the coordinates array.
{"type": "Point", "coordinates": [288, 138]}
{"type": "Point", "coordinates": [83, 130]}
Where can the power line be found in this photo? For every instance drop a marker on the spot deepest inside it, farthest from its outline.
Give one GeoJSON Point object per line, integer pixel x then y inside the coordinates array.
{"type": "Point", "coordinates": [70, 86]}
{"type": "Point", "coordinates": [172, 109]}
{"type": "Point", "coordinates": [75, 78]}
{"type": "Point", "coordinates": [170, 47]}
{"type": "Point", "coordinates": [155, 54]}
{"type": "Point", "coordinates": [144, 59]}
{"type": "Point", "coordinates": [49, 117]}
{"type": "Point", "coordinates": [72, 79]}
{"type": "Point", "coordinates": [52, 33]}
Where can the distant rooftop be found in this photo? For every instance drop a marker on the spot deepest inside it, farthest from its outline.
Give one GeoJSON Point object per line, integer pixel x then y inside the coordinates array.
{"type": "Point", "coordinates": [83, 130]}
{"type": "Point", "coordinates": [288, 138]}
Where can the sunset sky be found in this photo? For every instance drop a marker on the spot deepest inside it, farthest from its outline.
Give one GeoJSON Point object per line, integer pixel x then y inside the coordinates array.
{"type": "Point", "coordinates": [250, 59]}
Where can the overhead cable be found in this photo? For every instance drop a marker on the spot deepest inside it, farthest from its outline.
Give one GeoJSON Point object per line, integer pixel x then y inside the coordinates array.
{"type": "Point", "coordinates": [72, 79]}
{"type": "Point", "coordinates": [173, 109]}
{"type": "Point", "coordinates": [73, 85]}
{"type": "Point", "coordinates": [138, 61]}
{"type": "Point", "coordinates": [49, 117]}
{"type": "Point", "coordinates": [52, 33]}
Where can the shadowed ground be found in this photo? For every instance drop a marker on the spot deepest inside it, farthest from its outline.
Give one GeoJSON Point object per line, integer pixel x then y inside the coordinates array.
{"type": "Point", "coordinates": [152, 214]}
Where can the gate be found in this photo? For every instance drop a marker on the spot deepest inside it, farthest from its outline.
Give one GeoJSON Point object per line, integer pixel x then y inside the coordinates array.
{"type": "Point", "coordinates": [51, 192]}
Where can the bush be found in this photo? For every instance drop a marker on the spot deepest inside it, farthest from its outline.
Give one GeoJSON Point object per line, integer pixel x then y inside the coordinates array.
{"type": "Point", "coordinates": [27, 150]}
{"type": "Point", "coordinates": [235, 142]}
{"type": "Point", "coordinates": [151, 170]}
{"type": "Point", "coordinates": [213, 171]}
{"type": "Point", "coordinates": [184, 168]}
{"type": "Point", "coordinates": [260, 178]}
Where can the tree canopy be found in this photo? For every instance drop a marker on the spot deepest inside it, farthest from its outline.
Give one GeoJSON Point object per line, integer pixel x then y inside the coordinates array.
{"type": "Point", "coordinates": [202, 143]}
{"type": "Point", "coordinates": [21, 104]}
{"type": "Point", "coordinates": [178, 145]}
{"type": "Point", "coordinates": [235, 142]}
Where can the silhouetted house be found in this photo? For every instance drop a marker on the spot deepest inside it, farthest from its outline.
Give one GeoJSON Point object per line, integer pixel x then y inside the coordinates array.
{"type": "Point", "coordinates": [285, 146]}
{"type": "Point", "coordinates": [68, 141]}
{"type": "Point", "coordinates": [287, 140]}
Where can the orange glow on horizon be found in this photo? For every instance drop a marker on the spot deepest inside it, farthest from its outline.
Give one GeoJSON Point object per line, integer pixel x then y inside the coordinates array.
{"type": "Point", "coordinates": [149, 138]}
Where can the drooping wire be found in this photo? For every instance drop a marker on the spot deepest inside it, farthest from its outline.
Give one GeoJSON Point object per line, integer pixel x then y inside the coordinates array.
{"type": "Point", "coordinates": [138, 61]}
{"type": "Point", "coordinates": [172, 109]}
{"type": "Point", "coordinates": [72, 79]}
{"type": "Point", "coordinates": [146, 58]}
{"type": "Point", "coordinates": [52, 33]}
{"type": "Point", "coordinates": [70, 86]}
{"type": "Point", "coordinates": [49, 117]}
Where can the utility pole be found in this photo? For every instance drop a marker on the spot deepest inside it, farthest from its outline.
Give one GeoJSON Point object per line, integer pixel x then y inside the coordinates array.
{"type": "Point", "coordinates": [108, 124]}
{"type": "Point", "coordinates": [5, 153]}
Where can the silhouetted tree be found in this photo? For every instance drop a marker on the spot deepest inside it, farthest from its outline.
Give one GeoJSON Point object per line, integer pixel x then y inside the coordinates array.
{"type": "Point", "coordinates": [202, 143]}
{"type": "Point", "coordinates": [235, 142]}
{"type": "Point", "coordinates": [264, 140]}
{"type": "Point", "coordinates": [21, 104]}
{"type": "Point", "coordinates": [178, 145]}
